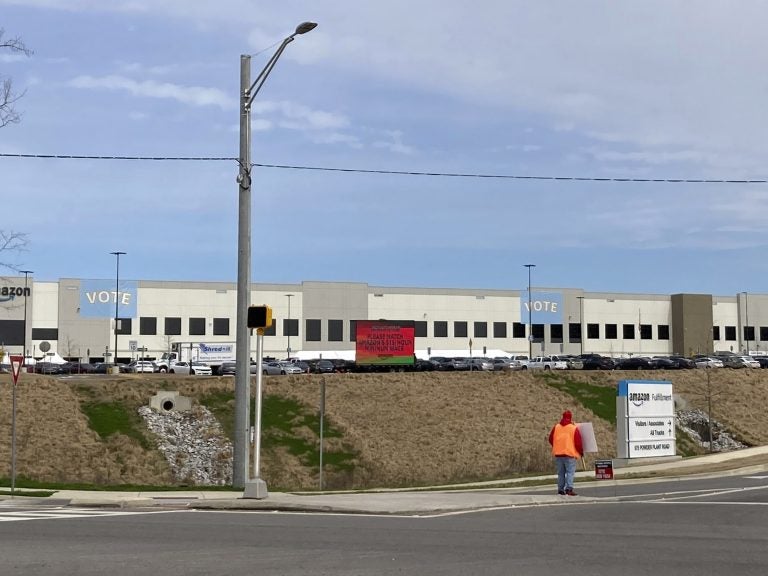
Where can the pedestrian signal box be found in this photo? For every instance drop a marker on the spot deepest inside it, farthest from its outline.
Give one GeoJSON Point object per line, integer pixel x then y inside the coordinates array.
{"type": "Point", "coordinates": [259, 317]}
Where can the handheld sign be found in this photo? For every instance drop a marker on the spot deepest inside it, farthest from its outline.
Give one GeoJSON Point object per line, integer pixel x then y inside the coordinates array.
{"type": "Point", "coordinates": [16, 362]}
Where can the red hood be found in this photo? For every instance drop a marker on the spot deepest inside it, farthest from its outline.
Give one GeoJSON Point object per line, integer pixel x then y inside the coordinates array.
{"type": "Point", "coordinates": [565, 420]}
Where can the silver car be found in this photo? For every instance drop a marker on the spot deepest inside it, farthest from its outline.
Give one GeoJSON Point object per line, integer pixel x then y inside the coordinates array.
{"type": "Point", "coordinates": [708, 363]}
{"type": "Point", "coordinates": [290, 368]}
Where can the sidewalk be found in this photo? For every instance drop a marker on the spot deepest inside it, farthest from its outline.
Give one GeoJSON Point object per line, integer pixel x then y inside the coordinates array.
{"type": "Point", "coordinates": [435, 500]}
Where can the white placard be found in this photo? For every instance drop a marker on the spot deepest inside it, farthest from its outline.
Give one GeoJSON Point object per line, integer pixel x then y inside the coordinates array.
{"type": "Point", "coordinates": [588, 440]}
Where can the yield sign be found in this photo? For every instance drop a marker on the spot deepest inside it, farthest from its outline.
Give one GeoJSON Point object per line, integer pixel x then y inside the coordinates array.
{"type": "Point", "coordinates": [16, 362]}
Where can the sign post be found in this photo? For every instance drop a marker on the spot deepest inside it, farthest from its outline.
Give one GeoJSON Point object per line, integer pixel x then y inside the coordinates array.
{"type": "Point", "coordinates": [16, 362]}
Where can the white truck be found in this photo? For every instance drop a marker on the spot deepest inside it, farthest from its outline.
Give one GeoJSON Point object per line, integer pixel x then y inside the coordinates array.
{"type": "Point", "coordinates": [212, 353]}
{"type": "Point", "coordinates": [547, 363]}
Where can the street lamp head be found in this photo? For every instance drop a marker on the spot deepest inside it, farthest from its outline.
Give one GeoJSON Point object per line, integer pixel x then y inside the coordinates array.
{"type": "Point", "coordinates": [305, 27]}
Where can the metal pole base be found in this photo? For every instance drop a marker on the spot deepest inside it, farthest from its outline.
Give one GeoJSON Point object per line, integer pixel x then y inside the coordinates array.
{"type": "Point", "coordinates": [255, 488]}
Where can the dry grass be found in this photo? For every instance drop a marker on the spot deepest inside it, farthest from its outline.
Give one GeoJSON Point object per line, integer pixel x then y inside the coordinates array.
{"type": "Point", "coordinates": [408, 429]}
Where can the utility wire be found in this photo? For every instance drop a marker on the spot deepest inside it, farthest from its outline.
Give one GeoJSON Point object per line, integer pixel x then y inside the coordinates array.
{"type": "Point", "coordinates": [395, 172]}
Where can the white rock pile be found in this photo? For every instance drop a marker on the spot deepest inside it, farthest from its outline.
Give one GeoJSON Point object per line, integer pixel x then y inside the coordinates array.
{"type": "Point", "coordinates": [194, 444]}
{"type": "Point", "coordinates": [695, 423]}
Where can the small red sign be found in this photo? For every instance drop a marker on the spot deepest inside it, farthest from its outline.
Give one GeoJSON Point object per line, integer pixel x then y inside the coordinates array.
{"type": "Point", "coordinates": [16, 362]}
{"type": "Point", "coordinates": [604, 469]}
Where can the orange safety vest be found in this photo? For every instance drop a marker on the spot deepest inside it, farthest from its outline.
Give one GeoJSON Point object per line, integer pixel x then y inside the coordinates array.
{"type": "Point", "coordinates": [563, 443]}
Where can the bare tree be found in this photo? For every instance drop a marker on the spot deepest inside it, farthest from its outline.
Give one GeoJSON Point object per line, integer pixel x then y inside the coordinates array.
{"type": "Point", "coordinates": [11, 241]}
{"type": "Point", "coordinates": [8, 97]}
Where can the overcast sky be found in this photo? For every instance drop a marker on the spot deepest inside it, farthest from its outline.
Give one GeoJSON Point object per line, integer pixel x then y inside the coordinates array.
{"type": "Point", "coordinates": [643, 90]}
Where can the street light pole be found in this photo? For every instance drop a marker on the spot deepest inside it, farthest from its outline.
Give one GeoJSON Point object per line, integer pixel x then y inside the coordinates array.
{"type": "Point", "coordinates": [530, 314]}
{"type": "Point", "coordinates": [581, 323]}
{"type": "Point", "coordinates": [746, 320]}
{"type": "Point", "coordinates": [289, 296]}
{"type": "Point", "coordinates": [248, 92]}
{"type": "Point", "coordinates": [24, 345]}
{"type": "Point", "coordinates": [117, 300]}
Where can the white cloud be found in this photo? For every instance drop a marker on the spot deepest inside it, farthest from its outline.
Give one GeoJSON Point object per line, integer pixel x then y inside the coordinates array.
{"type": "Point", "coordinates": [395, 144]}
{"type": "Point", "coordinates": [193, 95]}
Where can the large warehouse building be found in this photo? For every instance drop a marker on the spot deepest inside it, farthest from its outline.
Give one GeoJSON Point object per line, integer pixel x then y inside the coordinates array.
{"type": "Point", "coordinates": [76, 317]}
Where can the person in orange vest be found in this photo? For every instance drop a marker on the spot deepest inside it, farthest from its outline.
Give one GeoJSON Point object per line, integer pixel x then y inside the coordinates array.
{"type": "Point", "coordinates": [567, 449]}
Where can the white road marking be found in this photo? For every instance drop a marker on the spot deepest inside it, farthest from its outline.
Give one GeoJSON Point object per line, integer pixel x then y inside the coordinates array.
{"type": "Point", "coordinates": [57, 513]}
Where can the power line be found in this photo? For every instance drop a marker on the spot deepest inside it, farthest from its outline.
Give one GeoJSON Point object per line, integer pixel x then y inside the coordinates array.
{"type": "Point", "coordinates": [396, 172]}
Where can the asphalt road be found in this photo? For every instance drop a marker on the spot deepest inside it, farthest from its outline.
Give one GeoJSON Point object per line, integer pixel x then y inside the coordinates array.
{"type": "Point", "coordinates": [674, 527]}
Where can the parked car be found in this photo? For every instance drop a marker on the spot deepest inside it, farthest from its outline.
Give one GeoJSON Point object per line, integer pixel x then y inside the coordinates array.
{"type": "Point", "coordinates": [635, 363]}
{"type": "Point", "coordinates": [480, 364]}
{"type": "Point", "coordinates": [141, 366]}
{"type": "Point", "coordinates": [303, 365]}
{"type": "Point", "coordinates": [664, 363]}
{"type": "Point", "coordinates": [290, 368]}
{"type": "Point", "coordinates": [77, 368]}
{"type": "Point", "coordinates": [547, 363]}
{"type": "Point", "coordinates": [506, 364]}
{"type": "Point", "coordinates": [421, 365]}
{"type": "Point", "coordinates": [47, 368]}
{"type": "Point", "coordinates": [707, 362]}
{"type": "Point", "coordinates": [762, 360]}
{"type": "Point", "coordinates": [596, 362]}
{"type": "Point", "coordinates": [196, 369]}
{"type": "Point", "coordinates": [683, 362]}
{"type": "Point", "coordinates": [573, 362]}
{"type": "Point", "coordinates": [441, 363]}
{"type": "Point", "coordinates": [227, 368]}
{"type": "Point", "coordinates": [459, 363]}
{"type": "Point", "coordinates": [739, 362]}
{"type": "Point", "coordinates": [272, 368]}
{"type": "Point", "coordinates": [324, 367]}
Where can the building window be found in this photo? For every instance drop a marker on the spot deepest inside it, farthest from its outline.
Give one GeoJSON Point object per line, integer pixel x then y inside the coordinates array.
{"type": "Point", "coordinates": [290, 327]}
{"type": "Point", "coordinates": [420, 329]}
{"type": "Point", "coordinates": [763, 333]}
{"type": "Point", "coordinates": [593, 331]}
{"type": "Point", "coordinates": [440, 328]}
{"type": "Point", "coordinates": [749, 333]}
{"type": "Point", "coordinates": [124, 326]}
{"type": "Point", "coordinates": [173, 326]}
{"type": "Point", "coordinates": [335, 330]}
{"type": "Point", "coordinates": [499, 329]}
{"type": "Point", "coordinates": [538, 332]}
{"type": "Point", "coordinates": [663, 331]}
{"type": "Point", "coordinates": [556, 333]}
{"type": "Point", "coordinates": [518, 330]}
{"type": "Point", "coordinates": [313, 330]}
{"type": "Point", "coordinates": [272, 330]}
{"type": "Point", "coordinates": [730, 333]}
{"type": "Point", "coordinates": [574, 332]}
{"type": "Point", "coordinates": [611, 332]}
{"type": "Point", "coordinates": [147, 326]}
{"type": "Point", "coordinates": [45, 333]}
{"type": "Point", "coordinates": [716, 333]}
{"type": "Point", "coordinates": [12, 333]}
{"type": "Point", "coordinates": [628, 331]}
{"type": "Point", "coordinates": [481, 329]}
{"type": "Point", "coordinates": [197, 326]}
{"type": "Point", "coordinates": [221, 326]}
{"type": "Point", "coordinates": [459, 329]}
{"type": "Point", "coordinates": [646, 332]}
{"type": "Point", "coordinates": [353, 330]}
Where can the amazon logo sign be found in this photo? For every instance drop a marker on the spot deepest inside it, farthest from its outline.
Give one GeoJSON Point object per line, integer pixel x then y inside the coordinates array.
{"type": "Point", "coordinates": [10, 293]}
